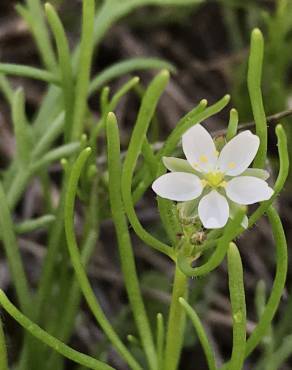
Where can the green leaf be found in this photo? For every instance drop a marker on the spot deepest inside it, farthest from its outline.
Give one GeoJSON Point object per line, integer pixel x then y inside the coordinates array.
{"type": "Point", "coordinates": [64, 63]}
{"type": "Point", "coordinates": [178, 165]}
{"type": "Point", "coordinates": [124, 241]}
{"type": "Point", "coordinates": [3, 350]}
{"type": "Point", "coordinates": [49, 340]}
{"type": "Point", "coordinates": [209, 353]}
{"type": "Point", "coordinates": [80, 272]}
{"type": "Point", "coordinates": [232, 125]}
{"type": "Point", "coordinates": [237, 297]}
{"type": "Point", "coordinates": [83, 68]}
{"type": "Point", "coordinates": [125, 67]}
{"type": "Point", "coordinates": [146, 111]}
{"type": "Point", "coordinates": [254, 87]}
{"type": "Point", "coordinates": [27, 71]}
{"type": "Point", "coordinates": [21, 128]}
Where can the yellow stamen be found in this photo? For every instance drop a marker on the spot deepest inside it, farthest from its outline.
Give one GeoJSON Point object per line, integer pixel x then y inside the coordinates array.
{"type": "Point", "coordinates": [214, 178]}
{"type": "Point", "coordinates": [203, 158]}
{"type": "Point", "coordinates": [204, 182]}
{"type": "Point", "coordinates": [231, 165]}
{"type": "Point", "coordinates": [223, 184]}
{"type": "Point", "coordinates": [216, 153]}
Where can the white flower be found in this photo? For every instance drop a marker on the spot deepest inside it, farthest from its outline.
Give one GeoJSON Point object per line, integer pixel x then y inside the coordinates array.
{"type": "Point", "coordinates": [220, 179]}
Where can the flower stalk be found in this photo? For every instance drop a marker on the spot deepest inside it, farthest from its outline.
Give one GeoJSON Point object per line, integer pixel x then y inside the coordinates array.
{"type": "Point", "coordinates": [176, 322]}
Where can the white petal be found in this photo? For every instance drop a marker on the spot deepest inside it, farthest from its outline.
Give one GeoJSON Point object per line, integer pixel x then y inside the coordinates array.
{"type": "Point", "coordinates": [248, 190]}
{"type": "Point", "coordinates": [178, 186]}
{"type": "Point", "coordinates": [238, 153]}
{"type": "Point", "coordinates": [199, 148]}
{"type": "Point", "coordinates": [213, 210]}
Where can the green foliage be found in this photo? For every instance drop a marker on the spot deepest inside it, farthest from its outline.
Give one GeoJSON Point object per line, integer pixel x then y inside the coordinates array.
{"type": "Point", "coordinates": [64, 130]}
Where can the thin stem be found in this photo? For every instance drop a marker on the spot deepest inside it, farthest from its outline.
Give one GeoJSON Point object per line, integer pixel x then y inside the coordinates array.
{"type": "Point", "coordinates": [160, 340]}
{"type": "Point", "coordinates": [28, 226]}
{"type": "Point", "coordinates": [6, 89]}
{"type": "Point", "coordinates": [54, 244]}
{"type": "Point", "coordinates": [145, 114]}
{"type": "Point", "coordinates": [254, 88]}
{"type": "Point", "coordinates": [31, 72]}
{"type": "Point", "coordinates": [209, 353]}
{"type": "Point", "coordinates": [3, 350]}
{"type": "Point", "coordinates": [176, 322]}
{"type": "Point", "coordinates": [64, 331]}
{"type": "Point", "coordinates": [16, 188]}
{"type": "Point", "coordinates": [40, 33]}
{"type": "Point", "coordinates": [50, 135]}
{"type": "Point", "coordinates": [281, 178]}
{"type": "Point", "coordinates": [124, 242]}
{"type": "Point", "coordinates": [280, 356]}
{"type": "Point", "coordinates": [63, 151]}
{"type": "Point", "coordinates": [232, 125]}
{"type": "Point", "coordinates": [13, 255]}
{"type": "Point", "coordinates": [65, 64]}
{"type": "Point", "coordinates": [49, 340]}
{"type": "Point", "coordinates": [78, 266]}
{"type": "Point", "coordinates": [278, 285]}
{"type": "Point", "coordinates": [108, 107]}
{"type": "Point", "coordinates": [125, 67]}
{"type": "Point", "coordinates": [21, 128]}
{"type": "Point", "coordinates": [238, 306]}
{"type": "Point", "coordinates": [84, 66]}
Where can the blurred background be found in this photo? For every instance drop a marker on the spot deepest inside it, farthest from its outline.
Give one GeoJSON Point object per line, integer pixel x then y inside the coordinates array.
{"type": "Point", "coordinates": [208, 44]}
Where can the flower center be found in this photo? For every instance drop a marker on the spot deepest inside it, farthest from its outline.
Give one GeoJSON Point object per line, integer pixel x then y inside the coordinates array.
{"type": "Point", "coordinates": [214, 179]}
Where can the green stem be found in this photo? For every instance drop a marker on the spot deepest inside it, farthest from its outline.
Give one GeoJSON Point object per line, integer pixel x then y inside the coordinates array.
{"type": "Point", "coordinates": [237, 298]}
{"type": "Point", "coordinates": [124, 242]}
{"type": "Point", "coordinates": [13, 255]}
{"type": "Point", "coordinates": [31, 72]}
{"type": "Point", "coordinates": [281, 178]}
{"type": "Point", "coordinates": [3, 350]}
{"type": "Point", "coordinates": [278, 285]}
{"type": "Point", "coordinates": [201, 333]}
{"type": "Point", "coordinates": [49, 340]}
{"type": "Point", "coordinates": [65, 64]}
{"type": "Point", "coordinates": [254, 87]}
{"type": "Point", "coordinates": [89, 240]}
{"type": "Point", "coordinates": [64, 331]}
{"type": "Point", "coordinates": [83, 71]}
{"type": "Point", "coordinates": [125, 67]}
{"type": "Point", "coordinates": [21, 129]}
{"type": "Point", "coordinates": [176, 322]}
{"type": "Point", "coordinates": [78, 266]}
{"type": "Point", "coordinates": [54, 244]}
{"type": "Point", "coordinates": [145, 114]}
{"type": "Point", "coordinates": [160, 340]}
{"type": "Point", "coordinates": [40, 33]}
{"type": "Point", "coordinates": [232, 125]}
{"type": "Point", "coordinates": [28, 226]}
